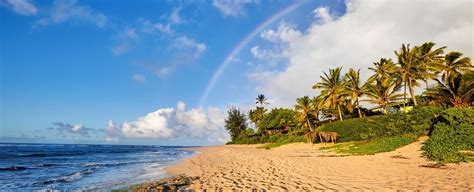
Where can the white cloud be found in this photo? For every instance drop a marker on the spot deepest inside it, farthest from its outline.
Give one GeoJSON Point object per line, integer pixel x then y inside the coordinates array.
{"type": "Point", "coordinates": [284, 33]}
{"type": "Point", "coordinates": [130, 33]}
{"type": "Point", "coordinates": [69, 10]}
{"type": "Point", "coordinates": [175, 18]}
{"type": "Point", "coordinates": [368, 31]}
{"type": "Point", "coordinates": [172, 123]}
{"type": "Point", "coordinates": [280, 38]}
{"type": "Point", "coordinates": [323, 14]}
{"type": "Point", "coordinates": [153, 125]}
{"type": "Point", "coordinates": [265, 54]}
{"type": "Point", "coordinates": [120, 49]}
{"type": "Point", "coordinates": [139, 78]}
{"type": "Point", "coordinates": [166, 29]}
{"type": "Point", "coordinates": [22, 7]}
{"type": "Point", "coordinates": [184, 42]}
{"type": "Point", "coordinates": [111, 140]}
{"type": "Point", "coordinates": [232, 7]}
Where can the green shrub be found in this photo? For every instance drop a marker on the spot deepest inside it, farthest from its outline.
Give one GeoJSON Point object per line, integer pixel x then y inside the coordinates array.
{"type": "Point", "coordinates": [284, 139]}
{"type": "Point", "coordinates": [416, 122]}
{"type": "Point", "coordinates": [452, 133]}
{"type": "Point", "coordinates": [378, 145]}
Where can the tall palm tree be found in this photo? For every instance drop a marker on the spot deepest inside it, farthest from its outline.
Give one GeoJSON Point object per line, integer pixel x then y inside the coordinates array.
{"type": "Point", "coordinates": [418, 63]}
{"type": "Point", "coordinates": [384, 68]}
{"type": "Point", "coordinates": [458, 91]}
{"type": "Point", "coordinates": [333, 90]}
{"type": "Point", "coordinates": [406, 70]}
{"type": "Point", "coordinates": [354, 87]}
{"type": "Point", "coordinates": [430, 61]}
{"type": "Point", "coordinates": [261, 100]}
{"type": "Point", "coordinates": [304, 107]}
{"type": "Point", "coordinates": [455, 64]}
{"type": "Point", "coordinates": [383, 93]}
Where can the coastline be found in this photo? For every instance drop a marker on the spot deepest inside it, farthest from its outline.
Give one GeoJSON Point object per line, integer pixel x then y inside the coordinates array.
{"type": "Point", "coordinates": [304, 167]}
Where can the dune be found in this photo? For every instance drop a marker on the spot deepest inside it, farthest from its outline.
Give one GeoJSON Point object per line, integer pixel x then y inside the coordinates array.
{"type": "Point", "coordinates": [302, 167]}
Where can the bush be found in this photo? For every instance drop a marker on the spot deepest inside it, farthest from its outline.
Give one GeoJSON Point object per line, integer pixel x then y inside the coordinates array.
{"type": "Point", "coordinates": [285, 139]}
{"type": "Point", "coordinates": [379, 145]}
{"type": "Point", "coordinates": [275, 140]}
{"type": "Point", "coordinates": [417, 122]}
{"type": "Point", "coordinates": [452, 133]}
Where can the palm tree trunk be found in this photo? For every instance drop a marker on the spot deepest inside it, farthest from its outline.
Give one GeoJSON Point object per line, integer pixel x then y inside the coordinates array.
{"type": "Point", "coordinates": [358, 108]}
{"type": "Point", "coordinates": [412, 92]}
{"type": "Point", "coordinates": [309, 124]}
{"type": "Point", "coordinates": [404, 93]}
{"type": "Point", "coordinates": [340, 114]}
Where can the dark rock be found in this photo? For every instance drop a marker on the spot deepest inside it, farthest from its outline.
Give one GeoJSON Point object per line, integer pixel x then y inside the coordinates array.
{"type": "Point", "coordinates": [176, 183]}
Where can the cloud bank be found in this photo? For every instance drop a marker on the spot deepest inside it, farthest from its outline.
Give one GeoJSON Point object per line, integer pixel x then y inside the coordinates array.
{"type": "Point", "coordinates": [77, 129]}
{"type": "Point", "coordinates": [369, 30]}
{"type": "Point", "coordinates": [178, 122]}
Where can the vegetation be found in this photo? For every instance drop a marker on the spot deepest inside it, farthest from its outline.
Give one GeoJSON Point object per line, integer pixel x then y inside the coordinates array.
{"type": "Point", "coordinates": [277, 119]}
{"type": "Point", "coordinates": [236, 122]}
{"type": "Point", "coordinates": [452, 137]}
{"type": "Point", "coordinates": [333, 90]}
{"type": "Point", "coordinates": [394, 116]}
{"type": "Point", "coordinates": [379, 145]}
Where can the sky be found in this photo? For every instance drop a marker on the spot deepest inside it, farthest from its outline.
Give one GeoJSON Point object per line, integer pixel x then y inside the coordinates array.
{"type": "Point", "coordinates": [166, 72]}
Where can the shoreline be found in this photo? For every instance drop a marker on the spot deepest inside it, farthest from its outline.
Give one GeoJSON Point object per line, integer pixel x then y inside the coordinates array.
{"type": "Point", "coordinates": [302, 166]}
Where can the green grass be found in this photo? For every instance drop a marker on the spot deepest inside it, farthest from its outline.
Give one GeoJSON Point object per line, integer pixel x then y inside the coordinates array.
{"type": "Point", "coordinates": [371, 147]}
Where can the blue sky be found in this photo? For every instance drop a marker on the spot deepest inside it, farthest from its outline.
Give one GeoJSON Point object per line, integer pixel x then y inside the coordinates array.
{"type": "Point", "coordinates": [135, 72]}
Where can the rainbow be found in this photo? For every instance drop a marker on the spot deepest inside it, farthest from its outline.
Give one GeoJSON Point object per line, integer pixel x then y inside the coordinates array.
{"type": "Point", "coordinates": [217, 74]}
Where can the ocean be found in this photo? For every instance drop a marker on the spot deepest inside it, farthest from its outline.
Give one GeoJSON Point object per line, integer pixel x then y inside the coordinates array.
{"type": "Point", "coordinates": [30, 167]}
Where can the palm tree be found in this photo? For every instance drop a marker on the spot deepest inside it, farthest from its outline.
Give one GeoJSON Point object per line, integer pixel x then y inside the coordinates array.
{"type": "Point", "coordinates": [406, 70]}
{"type": "Point", "coordinates": [354, 87]}
{"type": "Point", "coordinates": [455, 64]}
{"type": "Point", "coordinates": [304, 107]}
{"type": "Point", "coordinates": [458, 91]}
{"type": "Point", "coordinates": [383, 93]}
{"type": "Point", "coordinates": [261, 99]}
{"type": "Point", "coordinates": [430, 61]}
{"type": "Point", "coordinates": [332, 90]}
{"type": "Point", "coordinates": [384, 68]}
{"type": "Point", "coordinates": [418, 63]}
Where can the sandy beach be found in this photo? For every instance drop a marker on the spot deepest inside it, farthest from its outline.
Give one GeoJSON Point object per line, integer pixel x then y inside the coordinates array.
{"type": "Point", "coordinates": [302, 167]}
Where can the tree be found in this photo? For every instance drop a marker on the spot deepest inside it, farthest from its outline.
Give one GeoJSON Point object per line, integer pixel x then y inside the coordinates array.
{"type": "Point", "coordinates": [236, 122]}
{"type": "Point", "coordinates": [256, 115]}
{"type": "Point", "coordinates": [261, 100]}
{"type": "Point", "coordinates": [382, 69]}
{"type": "Point", "coordinates": [430, 61]}
{"type": "Point", "coordinates": [455, 64]}
{"type": "Point", "coordinates": [383, 93]}
{"type": "Point", "coordinates": [277, 118]}
{"type": "Point", "coordinates": [332, 90]}
{"type": "Point", "coordinates": [304, 107]}
{"type": "Point", "coordinates": [355, 88]}
{"type": "Point", "coordinates": [418, 63]}
{"type": "Point", "coordinates": [457, 92]}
